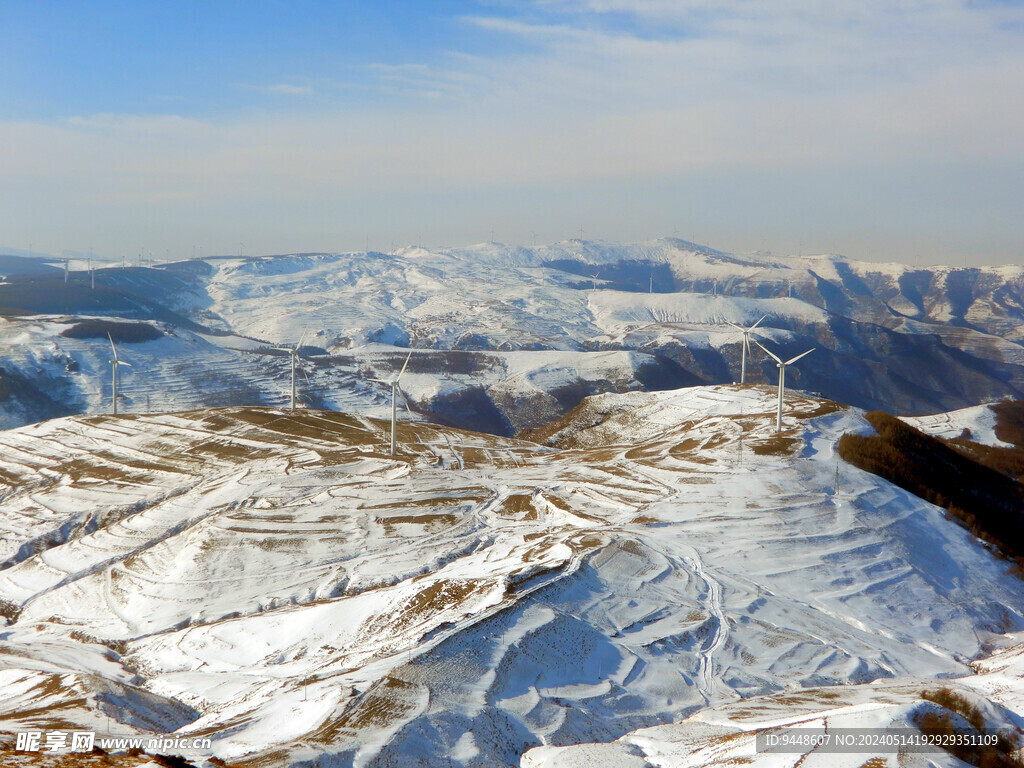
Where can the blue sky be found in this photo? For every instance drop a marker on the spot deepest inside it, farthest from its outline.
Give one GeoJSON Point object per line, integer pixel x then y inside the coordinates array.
{"type": "Point", "coordinates": [881, 130]}
{"type": "Point", "coordinates": [216, 59]}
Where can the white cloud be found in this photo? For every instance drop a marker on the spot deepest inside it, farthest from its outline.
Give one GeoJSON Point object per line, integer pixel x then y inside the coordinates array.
{"type": "Point", "coordinates": [428, 81]}
{"type": "Point", "coordinates": [282, 89]}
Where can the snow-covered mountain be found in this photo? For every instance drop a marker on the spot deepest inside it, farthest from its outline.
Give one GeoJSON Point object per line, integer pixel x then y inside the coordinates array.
{"type": "Point", "coordinates": [667, 578]}
{"type": "Point", "coordinates": [610, 318]}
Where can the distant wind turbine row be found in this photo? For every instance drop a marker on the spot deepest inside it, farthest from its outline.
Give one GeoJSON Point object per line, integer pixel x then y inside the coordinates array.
{"type": "Point", "coordinates": [394, 383]}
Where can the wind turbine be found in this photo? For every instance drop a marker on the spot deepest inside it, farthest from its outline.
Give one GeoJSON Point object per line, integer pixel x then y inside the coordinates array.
{"type": "Point", "coordinates": [746, 347]}
{"type": "Point", "coordinates": [113, 365]}
{"type": "Point", "coordinates": [294, 353]}
{"type": "Point", "coordinates": [395, 389]}
{"type": "Point", "coordinates": [594, 278]}
{"type": "Point", "coordinates": [782, 379]}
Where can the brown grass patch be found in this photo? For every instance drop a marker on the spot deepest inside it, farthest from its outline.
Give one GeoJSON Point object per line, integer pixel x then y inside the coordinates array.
{"type": "Point", "coordinates": [228, 450]}
{"type": "Point", "coordinates": [427, 524]}
{"type": "Point", "coordinates": [137, 463]}
{"type": "Point", "coordinates": [687, 450]}
{"type": "Point", "coordinates": [272, 759]}
{"type": "Point", "coordinates": [453, 499]}
{"type": "Point", "coordinates": [816, 408]}
{"type": "Point", "coordinates": [325, 426]}
{"type": "Point", "coordinates": [518, 505]}
{"type": "Point", "coordinates": [79, 470]}
{"type": "Point", "coordinates": [11, 480]}
{"type": "Point", "coordinates": [694, 480]}
{"type": "Point", "coordinates": [386, 702]}
{"type": "Point", "coordinates": [777, 445]}
{"type": "Point", "coordinates": [643, 452]}
{"type": "Point", "coordinates": [438, 597]}
{"type": "Point", "coordinates": [9, 610]}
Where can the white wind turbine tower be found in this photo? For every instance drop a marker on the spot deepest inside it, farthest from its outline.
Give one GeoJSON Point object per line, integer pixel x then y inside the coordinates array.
{"type": "Point", "coordinates": [113, 365]}
{"type": "Point", "coordinates": [395, 389]}
{"type": "Point", "coordinates": [294, 353]}
{"type": "Point", "coordinates": [746, 347]}
{"type": "Point", "coordinates": [782, 379]}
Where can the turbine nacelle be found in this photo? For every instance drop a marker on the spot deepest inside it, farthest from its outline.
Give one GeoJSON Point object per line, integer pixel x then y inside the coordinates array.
{"type": "Point", "coordinates": [778, 361]}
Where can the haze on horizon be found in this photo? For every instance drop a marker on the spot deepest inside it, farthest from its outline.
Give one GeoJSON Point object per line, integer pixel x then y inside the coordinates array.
{"type": "Point", "coordinates": [885, 131]}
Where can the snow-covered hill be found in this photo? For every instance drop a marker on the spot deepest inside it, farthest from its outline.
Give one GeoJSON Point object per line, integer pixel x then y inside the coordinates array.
{"type": "Point", "coordinates": [276, 581]}
{"type": "Point", "coordinates": [904, 339]}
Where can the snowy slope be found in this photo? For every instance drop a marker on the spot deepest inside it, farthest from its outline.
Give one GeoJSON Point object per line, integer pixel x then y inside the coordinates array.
{"type": "Point", "coordinates": [295, 593]}
{"type": "Point", "coordinates": [979, 423]}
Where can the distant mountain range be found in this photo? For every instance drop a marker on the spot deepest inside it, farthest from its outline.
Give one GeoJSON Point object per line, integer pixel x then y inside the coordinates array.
{"type": "Point", "coordinates": [607, 318]}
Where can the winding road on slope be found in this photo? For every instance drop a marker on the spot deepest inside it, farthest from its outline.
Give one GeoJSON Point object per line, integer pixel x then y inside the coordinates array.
{"type": "Point", "coordinates": [721, 632]}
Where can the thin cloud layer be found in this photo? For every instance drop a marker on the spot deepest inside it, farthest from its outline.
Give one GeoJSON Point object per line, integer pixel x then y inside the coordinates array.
{"type": "Point", "coordinates": [587, 94]}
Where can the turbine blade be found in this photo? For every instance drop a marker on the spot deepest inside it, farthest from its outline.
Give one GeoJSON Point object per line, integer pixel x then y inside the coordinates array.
{"type": "Point", "coordinates": [773, 357]}
{"type": "Point", "coordinates": [283, 349]}
{"type": "Point", "coordinates": [790, 362]}
{"type": "Point", "coordinates": [122, 362]}
{"type": "Point", "coordinates": [734, 326]}
{"type": "Point", "coordinates": [399, 376]}
{"type": "Point", "coordinates": [757, 323]}
{"type": "Point", "coordinates": [404, 398]}
{"type": "Point", "coordinates": [112, 347]}
{"type": "Point", "coordinates": [302, 338]}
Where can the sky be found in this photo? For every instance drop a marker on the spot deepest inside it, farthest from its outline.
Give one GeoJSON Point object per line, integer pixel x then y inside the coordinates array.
{"type": "Point", "coordinates": [884, 130]}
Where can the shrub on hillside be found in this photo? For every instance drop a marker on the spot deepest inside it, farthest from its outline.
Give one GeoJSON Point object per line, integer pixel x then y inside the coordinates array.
{"type": "Point", "coordinates": [1009, 425]}
{"type": "Point", "coordinates": [986, 501]}
{"type": "Point", "coordinates": [941, 726]}
{"type": "Point", "coordinates": [122, 333]}
{"type": "Point", "coordinates": [1009, 461]}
